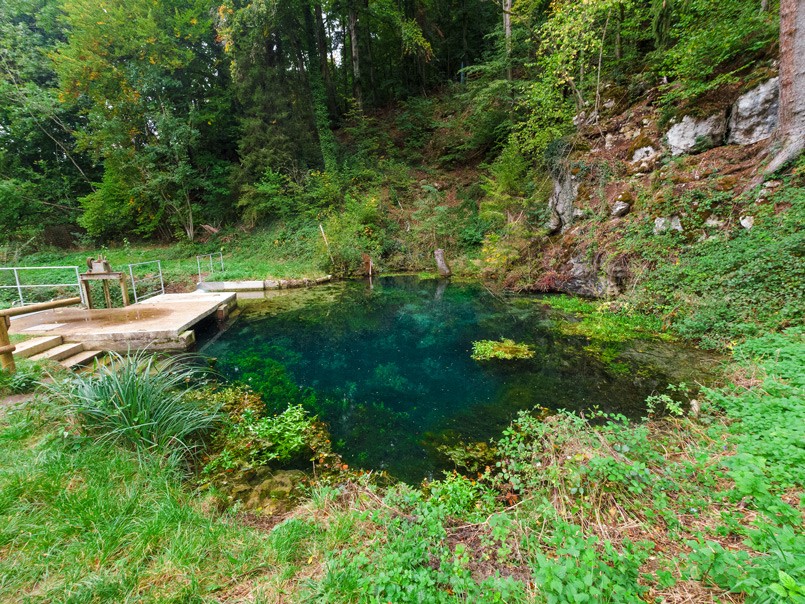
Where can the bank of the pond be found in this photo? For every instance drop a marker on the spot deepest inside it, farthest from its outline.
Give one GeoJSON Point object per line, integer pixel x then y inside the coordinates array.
{"type": "Point", "coordinates": [696, 509]}
{"type": "Point", "coordinates": [388, 364]}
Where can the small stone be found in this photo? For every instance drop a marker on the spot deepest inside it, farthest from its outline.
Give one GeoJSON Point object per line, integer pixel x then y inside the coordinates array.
{"type": "Point", "coordinates": [714, 222]}
{"type": "Point", "coordinates": [662, 224]}
{"type": "Point", "coordinates": [578, 213]}
{"type": "Point", "coordinates": [747, 222]}
{"type": "Point", "coordinates": [643, 153]}
{"type": "Point", "coordinates": [621, 208]}
{"type": "Point", "coordinates": [609, 141]}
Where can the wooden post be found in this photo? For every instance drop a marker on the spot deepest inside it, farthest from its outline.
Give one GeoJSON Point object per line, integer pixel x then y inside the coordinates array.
{"type": "Point", "coordinates": [87, 293]}
{"type": "Point", "coordinates": [107, 296]}
{"type": "Point", "coordinates": [6, 349]}
{"type": "Point", "coordinates": [124, 289]}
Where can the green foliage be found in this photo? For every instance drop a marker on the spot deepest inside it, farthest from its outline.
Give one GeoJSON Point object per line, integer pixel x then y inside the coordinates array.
{"type": "Point", "coordinates": [772, 416]}
{"type": "Point", "coordinates": [732, 285]}
{"type": "Point", "coordinates": [141, 401]}
{"type": "Point", "coordinates": [578, 572]}
{"type": "Point", "coordinates": [26, 379]}
{"type": "Point", "coordinates": [715, 41]}
{"type": "Point", "coordinates": [273, 197]}
{"type": "Point", "coordinates": [253, 439]}
{"type": "Point", "coordinates": [506, 349]}
{"type": "Point", "coordinates": [92, 522]}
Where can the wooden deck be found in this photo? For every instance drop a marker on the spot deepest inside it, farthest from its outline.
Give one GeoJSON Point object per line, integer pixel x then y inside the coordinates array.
{"type": "Point", "coordinates": [163, 322]}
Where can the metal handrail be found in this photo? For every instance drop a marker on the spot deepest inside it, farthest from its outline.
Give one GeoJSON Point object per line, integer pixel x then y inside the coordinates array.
{"type": "Point", "coordinates": [134, 281]}
{"type": "Point", "coordinates": [19, 286]}
{"type": "Point", "coordinates": [220, 255]}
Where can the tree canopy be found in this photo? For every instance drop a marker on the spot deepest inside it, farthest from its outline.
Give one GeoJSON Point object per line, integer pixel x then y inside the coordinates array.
{"type": "Point", "coordinates": [148, 118]}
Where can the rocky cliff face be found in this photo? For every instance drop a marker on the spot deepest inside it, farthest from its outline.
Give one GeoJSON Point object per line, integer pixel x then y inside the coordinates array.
{"type": "Point", "coordinates": [638, 171]}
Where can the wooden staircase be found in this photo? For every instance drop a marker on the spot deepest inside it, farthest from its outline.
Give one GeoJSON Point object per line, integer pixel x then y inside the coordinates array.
{"type": "Point", "coordinates": [72, 355]}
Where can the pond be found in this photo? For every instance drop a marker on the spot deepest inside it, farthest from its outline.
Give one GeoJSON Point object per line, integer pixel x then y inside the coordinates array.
{"type": "Point", "coordinates": [390, 364]}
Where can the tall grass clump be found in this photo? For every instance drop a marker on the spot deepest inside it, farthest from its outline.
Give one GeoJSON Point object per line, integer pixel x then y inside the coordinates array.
{"type": "Point", "coordinates": [141, 400]}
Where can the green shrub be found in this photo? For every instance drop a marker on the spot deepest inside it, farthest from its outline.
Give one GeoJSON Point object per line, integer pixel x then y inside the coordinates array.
{"type": "Point", "coordinates": [251, 439]}
{"type": "Point", "coordinates": [142, 401]}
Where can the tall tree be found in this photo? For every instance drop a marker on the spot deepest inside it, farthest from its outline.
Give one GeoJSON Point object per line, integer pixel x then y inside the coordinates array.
{"type": "Point", "coordinates": [791, 128]}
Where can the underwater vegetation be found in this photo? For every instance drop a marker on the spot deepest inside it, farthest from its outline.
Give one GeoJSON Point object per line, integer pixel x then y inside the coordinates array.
{"type": "Point", "coordinates": [505, 349]}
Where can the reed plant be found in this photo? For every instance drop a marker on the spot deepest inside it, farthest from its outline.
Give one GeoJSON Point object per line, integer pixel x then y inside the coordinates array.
{"type": "Point", "coordinates": [141, 400]}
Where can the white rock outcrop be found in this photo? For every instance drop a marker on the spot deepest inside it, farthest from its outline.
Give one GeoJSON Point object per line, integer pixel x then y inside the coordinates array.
{"type": "Point", "coordinates": [691, 134]}
{"type": "Point", "coordinates": [754, 115]}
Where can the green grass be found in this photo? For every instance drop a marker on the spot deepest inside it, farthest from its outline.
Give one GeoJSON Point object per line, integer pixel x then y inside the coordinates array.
{"type": "Point", "coordinates": [142, 401]}
{"type": "Point", "coordinates": [86, 522]}
{"type": "Point", "coordinates": [262, 254]}
{"type": "Point", "coordinates": [657, 510]}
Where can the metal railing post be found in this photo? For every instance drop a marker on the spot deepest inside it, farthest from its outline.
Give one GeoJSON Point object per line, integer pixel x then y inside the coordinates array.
{"type": "Point", "coordinates": [19, 286]}
{"type": "Point", "coordinates": [133, 283]}
{"type": "Point", "coordinates": [161, 280]}
{"type": "Point", "coordinates": [198, 263]}
{"type": "Point", "coordinates": [80, 289]}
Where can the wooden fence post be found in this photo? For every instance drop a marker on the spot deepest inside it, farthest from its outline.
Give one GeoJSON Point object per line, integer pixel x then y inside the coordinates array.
{"type": "Point", "coordinates": [6, 349]}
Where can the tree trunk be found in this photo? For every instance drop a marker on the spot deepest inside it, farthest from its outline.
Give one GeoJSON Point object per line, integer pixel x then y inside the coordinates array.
{"type": "Point", "coordinates": [791, 126]}
{"type": "Point", "coordinates": [324, 64]}
{"type": "Point", "coordinates": [357, 90]}
{"type": "Point", "coordinates": [507, 32]}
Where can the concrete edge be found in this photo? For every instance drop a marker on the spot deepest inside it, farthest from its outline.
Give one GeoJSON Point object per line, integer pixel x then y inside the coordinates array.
{"type": "Point", "coordinates": [269, 284]}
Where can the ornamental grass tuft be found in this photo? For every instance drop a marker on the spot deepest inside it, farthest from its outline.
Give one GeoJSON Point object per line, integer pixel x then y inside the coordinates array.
{"type": "Point", "coordinates": [141, 401]}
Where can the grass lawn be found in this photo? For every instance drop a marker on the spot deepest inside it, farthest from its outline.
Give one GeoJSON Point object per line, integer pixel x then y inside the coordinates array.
{"type": "Point", "coordinates": [259, 255]}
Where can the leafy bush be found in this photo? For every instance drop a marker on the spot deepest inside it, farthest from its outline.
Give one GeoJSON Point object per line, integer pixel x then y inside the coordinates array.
{"type": "Point", "coordinates": [142, 401]}
{"type": "Point", "coordinates": [251, 439]}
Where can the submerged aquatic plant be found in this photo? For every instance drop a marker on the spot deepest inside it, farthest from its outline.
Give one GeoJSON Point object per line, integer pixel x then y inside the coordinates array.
{"type": "Point", "coordinates": [484, 350]}
{"type": "Point", "coordinates": [142, 400]}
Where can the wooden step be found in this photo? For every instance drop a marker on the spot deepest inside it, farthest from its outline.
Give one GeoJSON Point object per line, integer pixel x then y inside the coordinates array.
{"type": "Point", "coordinates": [59, 353]}
{"type": "Point", "coordinates": [81, 359]}
{"type": "Point", "coordinates": [29, 348]}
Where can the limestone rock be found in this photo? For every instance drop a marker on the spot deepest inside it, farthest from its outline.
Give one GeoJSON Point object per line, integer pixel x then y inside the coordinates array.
{"type": "Point", "coordinates": [643, 154]}
{"type": "Point", "coordinates": [754, 115]}
{"type": "Point", "coordinates": [565, 191]}
{"type": "Point", "coordinates": [662, 224]}
{"type": "Point", "coordinates": [273, 495]}
{"type": "Point", "coordinates": [621, 208]}
{"type": "Point", "coordinates": [696, 135]}
{"type": "Point", "coordinates": [589, 277]}
{"type": "Point", "coordinates": [747, 222]}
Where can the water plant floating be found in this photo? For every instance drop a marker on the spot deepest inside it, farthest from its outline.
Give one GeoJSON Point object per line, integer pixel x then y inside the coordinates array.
{"type": "Point", "coordinates": [484, 350]}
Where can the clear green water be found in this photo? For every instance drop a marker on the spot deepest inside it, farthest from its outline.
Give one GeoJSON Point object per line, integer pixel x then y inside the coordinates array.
{"type": "Point", "coordinates": [392, 371]}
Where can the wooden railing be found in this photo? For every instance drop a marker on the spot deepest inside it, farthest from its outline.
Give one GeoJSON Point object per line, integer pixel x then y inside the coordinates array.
{"type": "Point", "coordinates": [6, 347]}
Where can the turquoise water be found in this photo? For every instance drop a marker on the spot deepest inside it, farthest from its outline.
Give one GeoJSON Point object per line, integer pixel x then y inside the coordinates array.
{"type": "Point", "coordinates": [393, 378]}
